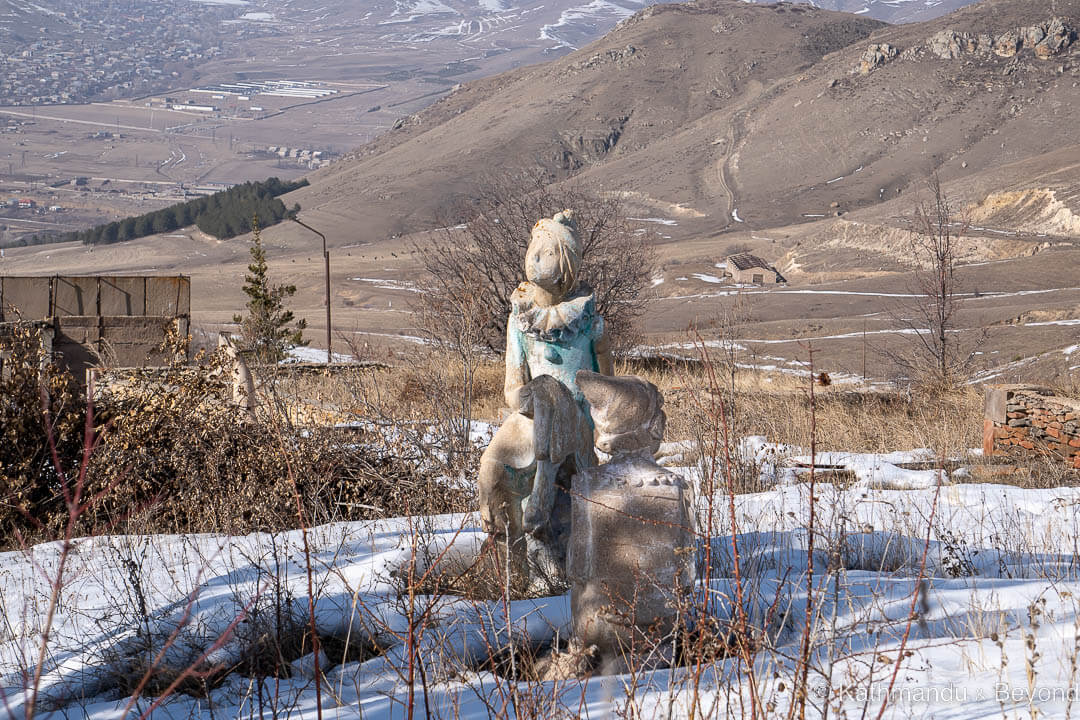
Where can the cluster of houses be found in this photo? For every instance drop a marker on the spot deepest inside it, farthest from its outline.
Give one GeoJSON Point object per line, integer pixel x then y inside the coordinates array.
{"type": "Point", "coordinates": [28, 204]}
{"type": "Point", "coordinates": [311, 159]}
{"type": "Point", "coordinates": [80, 50]}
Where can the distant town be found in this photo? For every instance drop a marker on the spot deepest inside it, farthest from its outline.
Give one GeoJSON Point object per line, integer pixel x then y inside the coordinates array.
{"type": "Point", "coordinates": [92, 50]}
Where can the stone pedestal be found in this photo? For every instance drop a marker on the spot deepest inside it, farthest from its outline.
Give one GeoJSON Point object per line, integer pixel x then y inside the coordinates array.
{"type": "Point", "coordinates": [631, 557]}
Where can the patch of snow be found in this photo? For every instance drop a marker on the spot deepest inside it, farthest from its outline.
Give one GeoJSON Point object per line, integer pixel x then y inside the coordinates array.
{"type": "Point", "coordinates": [708, 278]}
{"type": "Point", "coordinates": [405, 11]}
{"type": "Point", "coordinates": [581, 16]}
{"type": "Point", "coordinates": [304, 354]}
{"type": "Point", "coordinates": [735, 215]}
{"type": "Point", "coordinates": [881, 471]}
{"type": "Point", "coordinates": [659, 221]}
{"type": "Point", "coordinates": [1075, 321]}
{"type": "Point", "coordinates": [388, 284]}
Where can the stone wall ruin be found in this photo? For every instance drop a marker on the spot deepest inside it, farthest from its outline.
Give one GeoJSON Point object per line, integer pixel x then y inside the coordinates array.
{"type": "Point", "coordinates": [1030, 420]}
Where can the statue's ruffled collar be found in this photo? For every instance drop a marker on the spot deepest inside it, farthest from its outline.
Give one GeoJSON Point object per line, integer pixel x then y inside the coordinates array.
{"type": "Point", "coordinates": [551, 324]}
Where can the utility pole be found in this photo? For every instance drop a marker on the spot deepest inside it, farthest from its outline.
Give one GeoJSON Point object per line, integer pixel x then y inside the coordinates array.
{"type": "Point", "coordinates": [864, 350]}
{"type": "Point", "coordinates": [326, 260]}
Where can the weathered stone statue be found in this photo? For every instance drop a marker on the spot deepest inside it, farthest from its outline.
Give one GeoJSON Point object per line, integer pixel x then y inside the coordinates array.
{"type": "Point", "coordinates": [631, 552]}
{"type": "Point", "coordinates": [243, 383]}
{"type": "Point", "coordinates": [553, 332]}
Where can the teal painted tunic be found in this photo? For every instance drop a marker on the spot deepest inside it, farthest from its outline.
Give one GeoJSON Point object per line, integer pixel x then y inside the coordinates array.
{"type": "Point", "coordinates": [556, 341]}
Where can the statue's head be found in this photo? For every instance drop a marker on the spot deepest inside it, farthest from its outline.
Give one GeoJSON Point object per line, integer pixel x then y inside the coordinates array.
{"type": "Point", "coordinates": [628, 412]}
{"type": "Point", "coordinates": [553, 259]}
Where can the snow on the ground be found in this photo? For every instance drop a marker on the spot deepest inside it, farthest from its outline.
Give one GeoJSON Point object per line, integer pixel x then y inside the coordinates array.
{"type": "Point", "coordinates": [703, 277]}
{"type": "Point", "coordinates": [389, 284]}
{"type": "Point", "coordinates": [314, 355]}
{"type": "Point", "coordinates": [657, 220]}
{"type": "Point", "coordinates": [995, 623]}
{"type": "Point", "coordinates": [590, 13]}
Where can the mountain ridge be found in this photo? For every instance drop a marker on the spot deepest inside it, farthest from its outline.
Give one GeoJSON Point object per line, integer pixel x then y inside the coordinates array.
{"type": "Point", "coordinates": [751, 115]}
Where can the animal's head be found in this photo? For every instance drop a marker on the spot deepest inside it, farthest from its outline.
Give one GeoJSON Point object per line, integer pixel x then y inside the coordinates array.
{"type": "Point", "coordinates": [627, 410]}
{"type": "Point", "coordinates": [553, 259]}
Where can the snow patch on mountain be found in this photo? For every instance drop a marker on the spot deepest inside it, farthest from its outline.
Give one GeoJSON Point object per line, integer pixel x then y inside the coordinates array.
{"type": "Point", "coordinates": [576, 25]}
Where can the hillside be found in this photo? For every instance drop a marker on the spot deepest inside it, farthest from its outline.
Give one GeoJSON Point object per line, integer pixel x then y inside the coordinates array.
{"type": "Point", "coordinates": [725, 108]}
{"type": "Point", "coordinates": [625, 97]}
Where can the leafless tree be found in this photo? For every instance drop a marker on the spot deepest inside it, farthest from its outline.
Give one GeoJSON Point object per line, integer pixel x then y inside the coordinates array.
{"type": "Point", "coordinates": [940, 349]}
{"type": "Point", "coordinates": [487, 238]}
{"type": "Point", "coordinates": [454, 319]}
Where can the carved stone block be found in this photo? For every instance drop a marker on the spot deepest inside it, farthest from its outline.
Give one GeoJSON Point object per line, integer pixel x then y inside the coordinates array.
{"type": "Point", "coordinates": [630, 560]}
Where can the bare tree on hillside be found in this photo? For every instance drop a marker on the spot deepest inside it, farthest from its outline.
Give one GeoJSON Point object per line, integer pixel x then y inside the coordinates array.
{"type": "Point", "coordinates": [454, 320]}
{"type": "Point", "coordinates": [618, 258]}
{"type": "Point", "coordinates": [940, 349]}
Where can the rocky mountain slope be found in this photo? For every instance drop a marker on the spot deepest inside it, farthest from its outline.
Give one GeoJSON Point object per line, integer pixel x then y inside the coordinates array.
{"type": "Point", "coordinates": [739, 115]}
{"type": "Point", "coordinates": [620, 99]}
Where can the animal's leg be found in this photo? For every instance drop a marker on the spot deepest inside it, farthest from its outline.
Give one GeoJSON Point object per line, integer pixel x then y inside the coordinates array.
{"type": "Point", "coordinates": [500, 513]}
{"type": "Point", "coordinates": [541, 500]}
{"type": "Point", "coordinates": [500, 517]}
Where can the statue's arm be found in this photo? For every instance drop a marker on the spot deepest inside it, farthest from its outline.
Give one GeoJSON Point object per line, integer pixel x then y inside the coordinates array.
{"type": "Point", "coordinates": [517, 371]}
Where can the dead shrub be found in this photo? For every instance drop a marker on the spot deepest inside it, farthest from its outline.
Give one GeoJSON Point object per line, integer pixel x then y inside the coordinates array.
{"type": "Point", "coordinates": [38, 400]}
{"type": "Point", "coordinates": [173, 455]}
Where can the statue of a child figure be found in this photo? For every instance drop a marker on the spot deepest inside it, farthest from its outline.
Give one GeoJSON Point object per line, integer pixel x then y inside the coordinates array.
{"type": "Point", "coordinates": [552, 333]}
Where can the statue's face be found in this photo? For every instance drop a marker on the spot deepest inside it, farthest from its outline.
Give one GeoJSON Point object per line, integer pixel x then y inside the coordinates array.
{"type": "Point", "coordinates": [543, 266]}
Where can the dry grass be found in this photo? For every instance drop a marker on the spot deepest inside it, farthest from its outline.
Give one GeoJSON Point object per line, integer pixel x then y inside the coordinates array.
{"type": "Point", "coordinates": [851, 418]}
{"type": "Point", "coordinates": [773, 405]}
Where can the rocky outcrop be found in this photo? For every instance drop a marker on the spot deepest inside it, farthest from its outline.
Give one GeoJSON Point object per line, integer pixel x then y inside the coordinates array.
{"type": "Point", "coordinates": [875, 56]}
{"type": "Point", "coordinates": [608, 57]}
{"type": "Point", "coordinates": [1045, 41]}
{"type": "Point", "coordinates": [1058, 37]}
{"type": "Point", "coordinates": [578, 149]}
{"type": "Point", "coordinates": [1008, 44]}
{"type": "Point", "coordinates": [950, 44]}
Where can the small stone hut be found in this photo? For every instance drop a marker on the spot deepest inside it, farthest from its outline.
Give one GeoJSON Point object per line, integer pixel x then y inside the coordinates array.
{"type": "Point", "coordinates": [747, 269]}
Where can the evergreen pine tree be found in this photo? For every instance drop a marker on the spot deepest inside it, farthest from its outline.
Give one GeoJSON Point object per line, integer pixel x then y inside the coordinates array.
{"type": "Point", "coordinates": [265, 329]}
